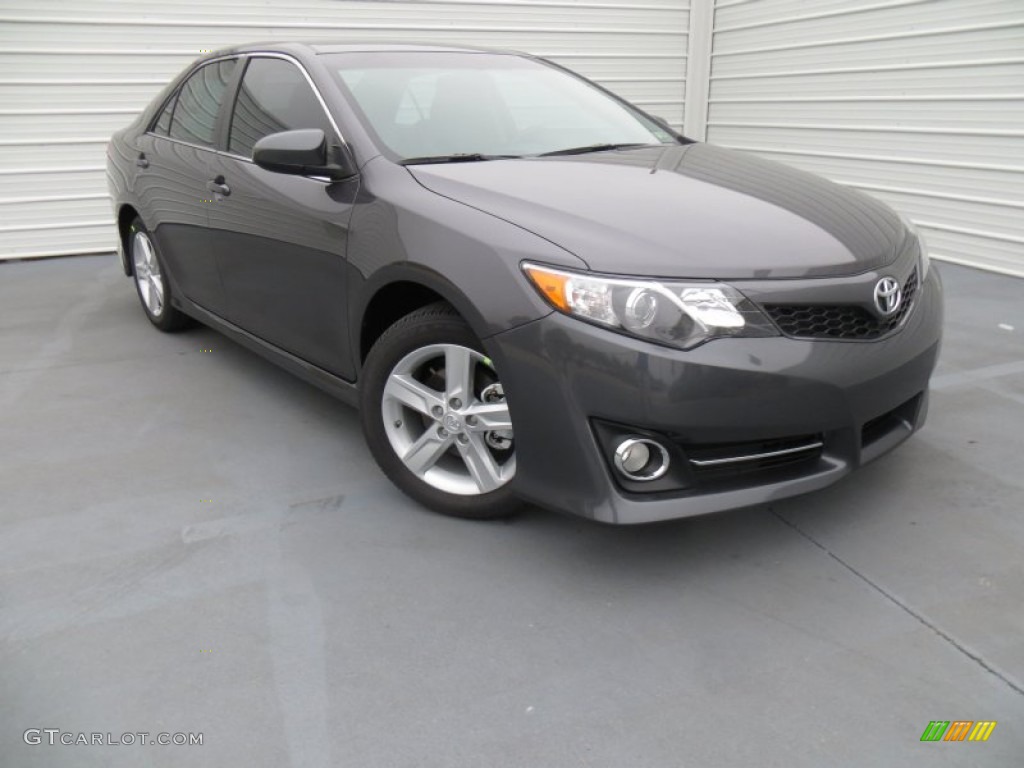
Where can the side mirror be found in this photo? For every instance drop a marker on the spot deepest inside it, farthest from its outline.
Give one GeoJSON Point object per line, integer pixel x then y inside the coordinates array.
{"type": "Point", "coordinates": [303, 153]}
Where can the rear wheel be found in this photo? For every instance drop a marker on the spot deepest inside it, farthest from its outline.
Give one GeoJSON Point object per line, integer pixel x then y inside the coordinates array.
{"type": "Point", "coordinates": [151, 280]}
{"type": "Point", "coordinates": [435, 416]}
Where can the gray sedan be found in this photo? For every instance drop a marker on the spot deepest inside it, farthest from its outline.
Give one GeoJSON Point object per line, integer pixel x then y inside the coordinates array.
{"type": "Point", "coordinates": [532, 290]}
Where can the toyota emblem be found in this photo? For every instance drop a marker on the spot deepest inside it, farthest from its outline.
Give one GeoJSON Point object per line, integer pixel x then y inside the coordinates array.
{"type": "Point", "coordinates": [887, 296]}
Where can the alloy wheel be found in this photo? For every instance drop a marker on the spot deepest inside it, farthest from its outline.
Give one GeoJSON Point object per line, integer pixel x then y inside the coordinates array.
{"type": "Point", "coordinates": [447, 420]}
{"type": "Point", "coordinates": [148, 277]}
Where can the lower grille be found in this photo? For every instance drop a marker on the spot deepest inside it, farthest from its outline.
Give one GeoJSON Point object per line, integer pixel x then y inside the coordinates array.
{"type": "Point", "coordinates": [900, 418]}
{"type": "Point", "coordinates": [840, 321]}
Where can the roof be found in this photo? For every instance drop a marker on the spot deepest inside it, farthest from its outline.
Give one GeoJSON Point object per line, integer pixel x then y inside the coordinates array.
{"type": "Point", "coordinates": [318, 47]}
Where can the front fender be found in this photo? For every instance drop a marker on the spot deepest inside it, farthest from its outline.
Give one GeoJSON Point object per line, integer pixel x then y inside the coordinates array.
{"type": "Point", "coordinates": [402, 232]}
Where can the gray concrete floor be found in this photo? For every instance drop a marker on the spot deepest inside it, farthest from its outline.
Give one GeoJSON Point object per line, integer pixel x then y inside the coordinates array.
{"type": "Point", "coordinates": [192, 540]}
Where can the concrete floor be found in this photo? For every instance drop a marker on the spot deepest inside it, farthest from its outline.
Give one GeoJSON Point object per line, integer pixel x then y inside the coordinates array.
{"type": "Point", "coordinates": [192, 540]}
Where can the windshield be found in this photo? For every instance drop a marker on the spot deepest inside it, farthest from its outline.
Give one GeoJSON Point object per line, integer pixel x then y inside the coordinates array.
{"type": "Point", "coordinates": [475, 106]}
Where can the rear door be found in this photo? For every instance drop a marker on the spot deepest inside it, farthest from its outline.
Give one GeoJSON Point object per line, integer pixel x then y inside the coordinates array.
{"type": "Point", "coordinates": [281, 239]}
{"type": "Point", "coordinates": [172, 172]}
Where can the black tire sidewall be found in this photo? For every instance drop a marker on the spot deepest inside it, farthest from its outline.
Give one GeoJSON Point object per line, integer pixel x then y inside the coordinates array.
{"type": "Point", "coordinates": [436, 324]}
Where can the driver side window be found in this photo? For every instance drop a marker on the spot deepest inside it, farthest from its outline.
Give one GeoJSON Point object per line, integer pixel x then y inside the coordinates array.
{"type": "Point", "coordinates": [274, 96]}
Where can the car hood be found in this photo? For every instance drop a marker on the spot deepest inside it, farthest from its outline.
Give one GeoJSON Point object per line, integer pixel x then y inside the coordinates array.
{"type": "Point", "coordinates": [690, 210]}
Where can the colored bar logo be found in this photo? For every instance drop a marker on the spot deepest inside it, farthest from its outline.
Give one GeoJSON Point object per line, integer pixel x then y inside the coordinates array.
{"type": "Point", "coordinates": [958, 730]}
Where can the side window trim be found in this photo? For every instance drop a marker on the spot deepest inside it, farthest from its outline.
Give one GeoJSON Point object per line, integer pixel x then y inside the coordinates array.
{"type": "Point", "coordinates": [235, 93]}
{"type": "Point", "coordinates": [223, 110]}
{"type": "Point", "coordinates": [236, 87]}
{"type": "Point", "coordinates": [166, 108]}
{"type": "Point", "coordinates": [227, 106]}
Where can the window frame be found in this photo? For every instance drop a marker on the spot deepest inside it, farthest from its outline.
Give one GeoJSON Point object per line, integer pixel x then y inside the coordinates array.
{"type": "Point", "coordinates": [229, 92]}
{"type": "Point", "coordinates": [236, 87]}
{"type": "Point", "coordinates": [166, 106]}
{"type": "Point", "coordinates": [227, 107]}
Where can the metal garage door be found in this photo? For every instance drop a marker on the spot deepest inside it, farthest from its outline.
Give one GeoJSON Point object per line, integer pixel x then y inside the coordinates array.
{"type": "Point", "coordinates": [74, 71]}
{"type": "Point", "coordinates": [918, 102]}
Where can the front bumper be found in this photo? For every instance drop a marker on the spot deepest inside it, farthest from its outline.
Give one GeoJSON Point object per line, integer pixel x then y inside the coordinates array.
{"type": "Point", "coordinates": [565, 379]}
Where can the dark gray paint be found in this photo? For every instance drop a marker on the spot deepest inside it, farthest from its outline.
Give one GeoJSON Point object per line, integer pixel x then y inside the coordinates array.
{"type": "Point", "coordinates": [725, 391]}
{"type": "Point", "coordinates": [681, 211]}
{"type": "Point", "coordinates": [279, 242]}
{"type": "Point", "coordinates": [301, 260]}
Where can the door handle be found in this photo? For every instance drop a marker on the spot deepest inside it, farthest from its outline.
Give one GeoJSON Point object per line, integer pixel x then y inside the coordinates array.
{"type": "Point", "coordinates": [218, 186]}
{"type": "Point", "coordinates": [141, 161]}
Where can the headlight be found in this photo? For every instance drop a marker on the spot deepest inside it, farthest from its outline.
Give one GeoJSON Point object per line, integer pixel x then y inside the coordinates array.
{"type": "Point", "coordinates": [676, 314]}
{"type": "Point", "coordinates": [921, 245]}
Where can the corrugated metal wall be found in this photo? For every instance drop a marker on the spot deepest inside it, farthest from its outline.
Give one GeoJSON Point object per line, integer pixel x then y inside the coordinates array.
{"type": "Point", "coordinates": [918, 102]}
{"type": "Point", "coordinates": [74, 71]}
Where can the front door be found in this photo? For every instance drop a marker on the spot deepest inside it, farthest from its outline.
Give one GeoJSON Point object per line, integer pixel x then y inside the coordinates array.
{"type": "Point", "coordinates": [280, 239]}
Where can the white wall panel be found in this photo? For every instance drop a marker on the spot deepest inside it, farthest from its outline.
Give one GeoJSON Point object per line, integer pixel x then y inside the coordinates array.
{"type": "Point", "coordinates": [74, 71]}
{"type": "Point", "coordinates": [999, 186]}
{"type": "Point", "coordinates": [1000, 77]}
{"type": "Point", "coordinates": [917, 102]}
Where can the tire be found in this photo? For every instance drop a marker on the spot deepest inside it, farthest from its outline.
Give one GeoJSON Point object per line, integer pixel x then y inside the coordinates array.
{"type": "Point", "coordinates": [150, 277]}
{"type": "Point", "coordinates": [445, 441]}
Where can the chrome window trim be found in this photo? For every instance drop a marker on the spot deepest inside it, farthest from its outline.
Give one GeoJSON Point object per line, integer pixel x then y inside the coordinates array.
{"type": "Point", "coordinates": [177, 91]}
{"type": "Point", "coordinates": [249, 55]}
{"type": "Point", "coordinates": [316, 92]}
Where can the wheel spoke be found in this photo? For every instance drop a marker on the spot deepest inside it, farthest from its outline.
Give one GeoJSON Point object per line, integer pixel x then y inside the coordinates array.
{"type": "Point", "coordinates": [424, 421]}
{"type": "Point", "coordinates": [424, 453]}
{"type": "Point", "coordinates": [141, 267]}
{"type": "Point", "coordinates": [156, 294]}
{"type": "Point", "coordinates": [488, 417]}
{"type": "Point", "coordinates": [147, 274]}
{"type": "Point", "coordinates": [458, 373]}
{"type": "Point", "coordinates": [480, 463]}
{"type": "Point", "coordinates": [147, 252]}
{"type": "Point", "coordinates": [406, 390]}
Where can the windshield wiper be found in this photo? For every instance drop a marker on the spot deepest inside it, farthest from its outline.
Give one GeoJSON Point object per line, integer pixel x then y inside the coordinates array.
{"type": "Point", "coordinates": [593, 148]}
{"type": "Point", "coordinates": [467, 157]}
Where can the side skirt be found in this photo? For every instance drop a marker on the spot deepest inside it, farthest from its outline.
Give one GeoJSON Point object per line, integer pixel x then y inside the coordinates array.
{"type": "Point", "coordinates": [345, 391]}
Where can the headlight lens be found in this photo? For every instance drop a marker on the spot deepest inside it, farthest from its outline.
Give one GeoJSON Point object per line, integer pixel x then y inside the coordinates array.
{"type": "Point", "coordinates": [676, 314]}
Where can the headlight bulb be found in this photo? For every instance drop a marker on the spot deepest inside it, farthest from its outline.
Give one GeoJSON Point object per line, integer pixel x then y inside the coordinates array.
{"type": "Point", "coordinates": [640, 310]}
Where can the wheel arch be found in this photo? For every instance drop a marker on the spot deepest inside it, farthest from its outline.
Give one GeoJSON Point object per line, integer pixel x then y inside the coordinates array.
{"type": "Point", "coordinates": [397, 290]}
{"type": "Point", "coordinates": [126, 214]}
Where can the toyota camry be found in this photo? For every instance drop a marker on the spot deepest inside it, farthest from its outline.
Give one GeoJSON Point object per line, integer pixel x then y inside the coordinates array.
{"type": "Point", "coordinates": [532, 290]}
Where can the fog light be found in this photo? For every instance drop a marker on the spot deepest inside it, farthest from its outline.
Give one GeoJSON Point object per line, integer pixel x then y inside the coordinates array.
{"type": "Point", "coordinates": [641, 459]}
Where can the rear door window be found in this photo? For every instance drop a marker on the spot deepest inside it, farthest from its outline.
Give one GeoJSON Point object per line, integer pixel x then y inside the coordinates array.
{"type": "Point", "coordinates": [163, 123]}
{"type": "Point", "coordinates": [195, 112]}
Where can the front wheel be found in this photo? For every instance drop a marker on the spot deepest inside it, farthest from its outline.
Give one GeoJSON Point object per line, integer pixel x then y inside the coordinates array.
{"type": "Point", "coordinates": [435, 416]}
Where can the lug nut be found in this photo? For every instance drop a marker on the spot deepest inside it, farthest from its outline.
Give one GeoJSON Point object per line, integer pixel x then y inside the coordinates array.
{"type": "Point", "coordinates": [437, 411]}
{"type": "Point", "coordinates": [463, 439]}
{"type": "Point", "coordinates": [471, 420]}
{"type": "Point", "coordinates": [455, 403]}
{"type": "Point", "coordinates": [442, 432]}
